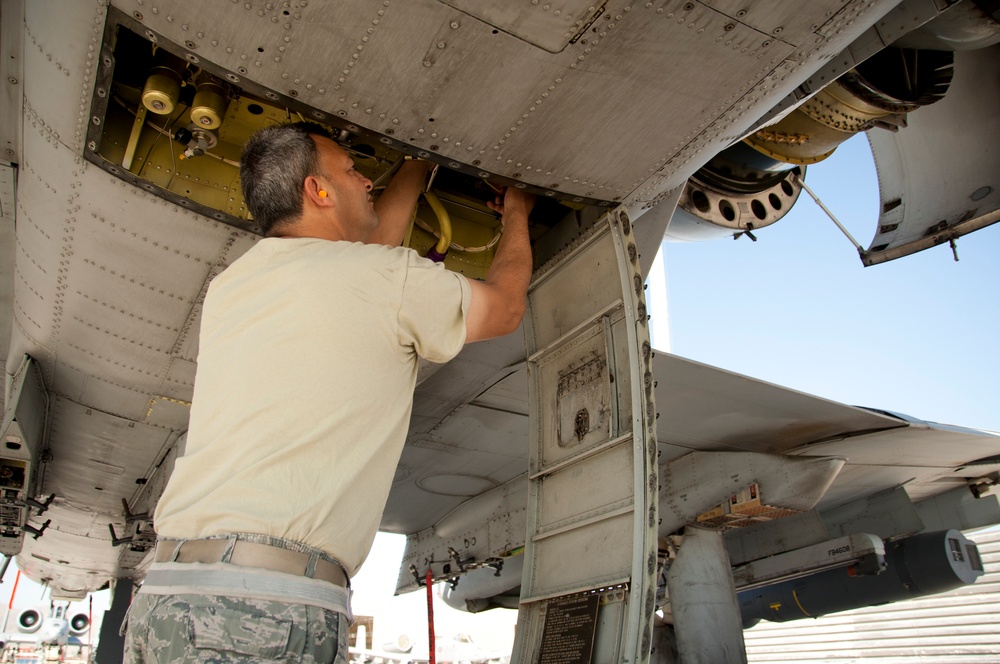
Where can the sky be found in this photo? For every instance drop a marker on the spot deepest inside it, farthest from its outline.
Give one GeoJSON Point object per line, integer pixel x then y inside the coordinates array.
{"type": "Point", "coordinates": [796, 308]}
{"type": "Point", "coordinates": [917, 335]}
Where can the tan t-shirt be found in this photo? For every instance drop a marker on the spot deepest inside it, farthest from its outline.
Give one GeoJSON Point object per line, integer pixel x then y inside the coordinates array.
{"type": "Point", "coordinates": [306, 370]}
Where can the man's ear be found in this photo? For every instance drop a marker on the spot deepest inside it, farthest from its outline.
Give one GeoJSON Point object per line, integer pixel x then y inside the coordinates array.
{"type": "Point", "coordinates": [316, 192]}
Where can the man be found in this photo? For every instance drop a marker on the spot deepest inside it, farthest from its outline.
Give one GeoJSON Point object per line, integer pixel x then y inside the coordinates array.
{"type": "Point", "coordinates": [306, 370]}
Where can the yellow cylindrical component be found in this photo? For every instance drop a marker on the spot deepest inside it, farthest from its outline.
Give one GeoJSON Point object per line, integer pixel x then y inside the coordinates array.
{"type": "Point", "coordinates": [162, 89]}
{"type": "Point", "coordinates": [444, 222]}
{"type": "Point", "coordinates": [209, 105]}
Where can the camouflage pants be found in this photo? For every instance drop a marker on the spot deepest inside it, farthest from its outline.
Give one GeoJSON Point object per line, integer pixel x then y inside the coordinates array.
{"type": "Point", "coordinates": [204, 628]}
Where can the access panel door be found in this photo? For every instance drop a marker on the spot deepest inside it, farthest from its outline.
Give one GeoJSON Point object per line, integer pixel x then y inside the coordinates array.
{"type": "Point", "coordinates": [588, 588]}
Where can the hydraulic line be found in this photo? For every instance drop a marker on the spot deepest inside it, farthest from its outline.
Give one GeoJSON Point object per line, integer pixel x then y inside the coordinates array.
{"type": "Point", "coordinates": [440, 250]}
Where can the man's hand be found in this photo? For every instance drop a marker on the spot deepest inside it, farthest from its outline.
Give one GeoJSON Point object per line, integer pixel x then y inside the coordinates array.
{"type": "Point", "coordinates": [516, 201]}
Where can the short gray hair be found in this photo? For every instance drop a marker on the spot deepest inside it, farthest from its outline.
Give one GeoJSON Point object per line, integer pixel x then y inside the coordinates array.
{"type": "Point", "coordinates": [275, 163]}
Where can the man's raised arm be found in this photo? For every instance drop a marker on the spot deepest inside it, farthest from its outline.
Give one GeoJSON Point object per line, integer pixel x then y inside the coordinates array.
{"type": "Point", "coordinates": [396, 204]}
{"type": "Point", "coordinates": [498, 304]}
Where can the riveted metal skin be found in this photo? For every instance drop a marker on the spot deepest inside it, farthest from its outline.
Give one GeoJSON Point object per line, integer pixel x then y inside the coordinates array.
{"type": "Point", "coordinates": [104, 304]}
{"type": "Point", "coordinates": [565, 54]}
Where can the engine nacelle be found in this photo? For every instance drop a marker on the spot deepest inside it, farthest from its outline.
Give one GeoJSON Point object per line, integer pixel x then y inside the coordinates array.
{"type": "Point", "coordinates": [29, 620]}
{"type": "Point", "coordinates": [79, 624]}
{"type": "Point", "coordinates": [755, 182]}
{"type": "Point", "coordinates": [740, 190]}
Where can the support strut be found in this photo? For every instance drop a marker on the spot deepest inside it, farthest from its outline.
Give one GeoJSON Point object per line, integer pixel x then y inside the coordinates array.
{"type": "Point", "coordinates": [703, 601]}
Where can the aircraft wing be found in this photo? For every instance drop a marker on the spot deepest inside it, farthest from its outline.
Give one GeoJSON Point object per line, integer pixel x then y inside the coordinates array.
{"type": "Point", "coordinates": [708, 409]}
{"type": "Point", "coordinates": [122, 125]}
{"type": "Point", "coordinates": [478, 449]}
{"type": "Point", "coordinates": [469, 436]}
{"type": "Point", "coordinates": [480, 444]}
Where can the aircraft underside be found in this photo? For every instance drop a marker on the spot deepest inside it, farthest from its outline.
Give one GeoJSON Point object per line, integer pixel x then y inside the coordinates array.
{"type": "Point", "coordinates": [632, 505]}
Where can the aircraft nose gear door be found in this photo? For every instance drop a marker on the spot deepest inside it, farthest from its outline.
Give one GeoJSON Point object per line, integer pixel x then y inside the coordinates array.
{"type": "Point", "coordinates": [588, 589]}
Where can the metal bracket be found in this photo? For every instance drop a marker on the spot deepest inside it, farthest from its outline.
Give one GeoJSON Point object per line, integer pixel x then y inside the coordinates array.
{"type": "Point", "coordinates": [38, 505]}
{"type": "Point", "coordinates": [454, 555]}
{"type": "Point", "coordinates": [36, 532]}
{"type": "Point", "coordinates": [132, 518]}
{"type": "Point", "coordinates": [115, 540]}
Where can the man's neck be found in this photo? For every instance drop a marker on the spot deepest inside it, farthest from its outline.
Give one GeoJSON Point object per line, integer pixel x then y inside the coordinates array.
{"type": "Point", "coordinates": [321, 228]}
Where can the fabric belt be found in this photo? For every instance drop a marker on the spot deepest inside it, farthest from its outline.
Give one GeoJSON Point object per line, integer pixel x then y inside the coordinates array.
{"type": "Point", "coordinates": [232, 581]}
{"type": "Point", "coordinates": [251, 554]}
